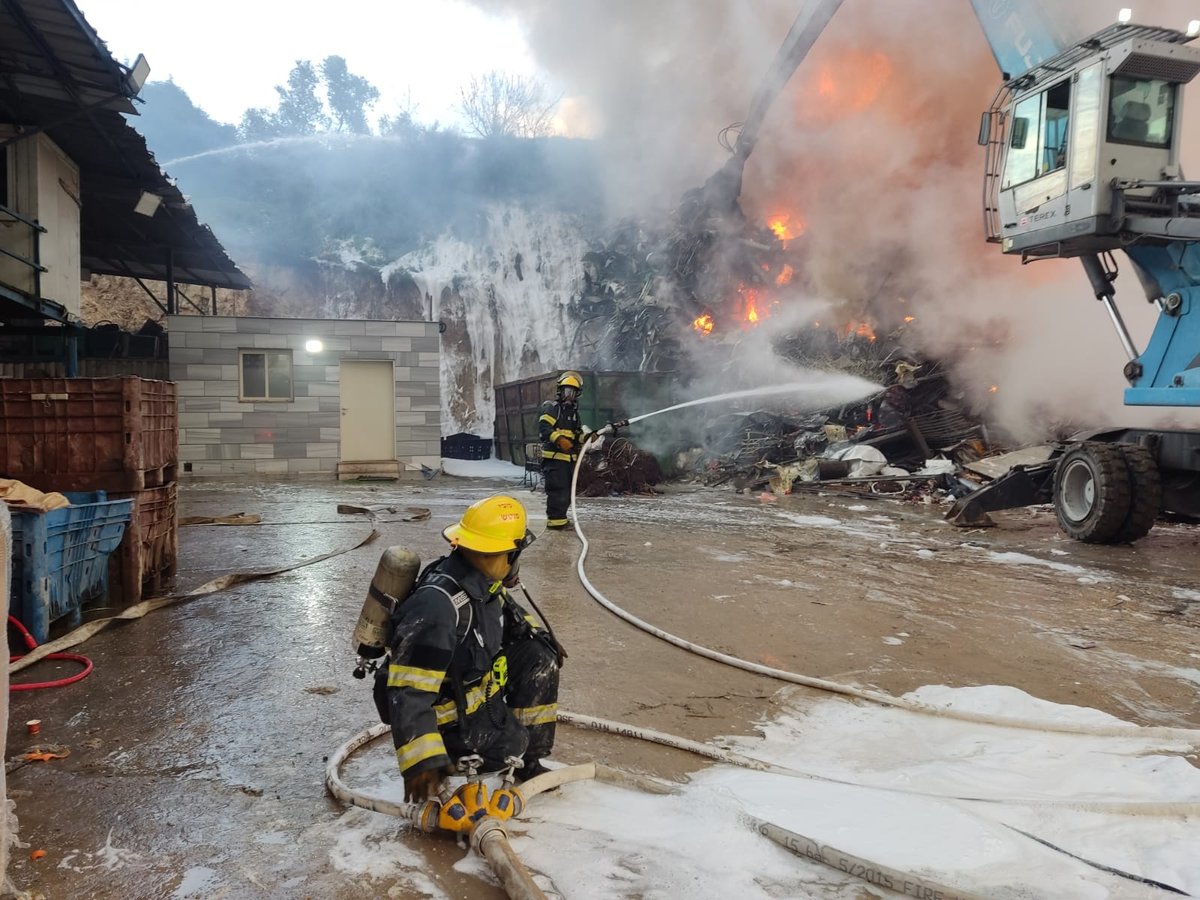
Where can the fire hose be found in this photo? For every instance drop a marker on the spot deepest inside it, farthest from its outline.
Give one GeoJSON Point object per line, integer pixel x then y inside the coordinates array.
{"type": "Point", "coordinates": [1190, 736]}
{"type": "Point", "coordinates": [811, 849]}
{"type": "Point", "coordinates": [487, 834]}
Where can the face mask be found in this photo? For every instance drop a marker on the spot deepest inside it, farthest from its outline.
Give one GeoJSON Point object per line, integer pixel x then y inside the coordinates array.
{"type": "Point", "coordinates": [570, 394]}
{"type": "Point", "coordinates": [494, 565]}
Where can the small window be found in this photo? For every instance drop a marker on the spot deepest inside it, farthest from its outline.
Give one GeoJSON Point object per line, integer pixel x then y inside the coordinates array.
{"type": "Point", "coordinates": [1141, 111]}
{"type": "Point", "coordinates": [1056, 120]}
{"type": "Point", "coordinates": [266, 375]}
{"type": "Point", "coordinates": [1021, 165]}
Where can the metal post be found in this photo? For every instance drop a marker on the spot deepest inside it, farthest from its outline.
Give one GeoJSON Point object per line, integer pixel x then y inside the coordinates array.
{"type": "Point", "coordinates": [213, 287]}
{"type": "Point", "coordinates": [172, 304]}
{"type": "Point", "coordinates": [72, 352]}
{"type": "Point", "coordinates": [37, 263]}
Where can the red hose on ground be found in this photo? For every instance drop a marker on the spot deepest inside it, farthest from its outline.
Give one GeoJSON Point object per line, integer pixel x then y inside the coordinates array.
{"type": "Point", "coordinates": [31, 644]}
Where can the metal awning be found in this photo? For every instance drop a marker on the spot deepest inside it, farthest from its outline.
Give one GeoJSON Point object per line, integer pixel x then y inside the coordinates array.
{"type": "Point", "coordinates": [58, 77]}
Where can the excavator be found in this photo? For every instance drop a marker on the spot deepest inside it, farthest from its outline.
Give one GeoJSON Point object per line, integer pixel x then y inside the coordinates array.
{"type": "Point", "coordinates": [1082, 148]}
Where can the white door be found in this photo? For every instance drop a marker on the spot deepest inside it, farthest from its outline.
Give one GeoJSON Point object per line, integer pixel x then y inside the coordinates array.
{"type": "Point", "coordinates": [368, 411]}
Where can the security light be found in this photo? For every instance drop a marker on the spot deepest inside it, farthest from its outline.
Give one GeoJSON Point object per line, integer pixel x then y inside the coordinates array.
{"type": "Point", "coordinates": [147, 204]}
{"type": "Point", "coordinates": [1193, 28]}
{"type": "Point", "coordinates": [138, 73]}
{"type": "Point", "coordinates": [1124, 15]}
{"type": "Point", "coordinates": [313, 346]}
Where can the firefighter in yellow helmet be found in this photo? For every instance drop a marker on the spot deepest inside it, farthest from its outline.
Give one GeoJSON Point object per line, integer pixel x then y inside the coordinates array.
{"type": "Point", "coordinates": [562, 435]}
{"type": "Point", "coordinates": [469, 672]}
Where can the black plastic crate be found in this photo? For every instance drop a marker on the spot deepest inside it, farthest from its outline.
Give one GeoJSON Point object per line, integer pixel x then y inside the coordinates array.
{"type": "Point", "coordinates": [466, 446]}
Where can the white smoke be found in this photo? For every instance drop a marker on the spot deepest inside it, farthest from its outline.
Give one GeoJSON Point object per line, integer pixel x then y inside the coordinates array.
{"type": "Point", "coordinates": [872, 145]}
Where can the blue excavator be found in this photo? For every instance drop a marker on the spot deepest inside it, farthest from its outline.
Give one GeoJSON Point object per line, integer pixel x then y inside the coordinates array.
{"type": "Point", "coordinates": [1082, 149]}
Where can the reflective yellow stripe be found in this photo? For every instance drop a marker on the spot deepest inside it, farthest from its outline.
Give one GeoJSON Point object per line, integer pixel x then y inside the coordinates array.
{"type": "Point", "coordinates": [419, 679]}
{"type": "Point", "coordinates": [552, 454]}
{"type": "Point", "coordinates": [478, 695]}
{"type": "Point", "coordinates": [420, 749]}
{"type": "Point", "coordinates": [548, 419]}
{"type": "Point", "coordinates": [537, 715]}
{"type": "Point", "coordinates": [445, 712]}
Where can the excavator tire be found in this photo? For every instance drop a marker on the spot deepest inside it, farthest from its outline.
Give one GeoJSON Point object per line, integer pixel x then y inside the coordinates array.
{"type": "Point", "coordinates": [1146, 483]}
{"type": "Point", "coordinates": [1092, 492]}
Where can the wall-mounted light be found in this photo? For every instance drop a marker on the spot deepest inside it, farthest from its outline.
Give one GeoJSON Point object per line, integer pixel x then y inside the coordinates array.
{"type": "Point", "coordinates": [1193, 28]}
{"type": "Point", "coordinates": [1124, 15]}
{"type": "Point", "coordinates": [313, 346]}
{"type": "Point", "coordinates": [138, 73]}
{"type": "Point", "coordinates": [147, 204]}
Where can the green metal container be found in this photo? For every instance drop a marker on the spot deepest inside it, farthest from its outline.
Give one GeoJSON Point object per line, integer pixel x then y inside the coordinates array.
{"type": "Point", "coordinates": [606, 397]}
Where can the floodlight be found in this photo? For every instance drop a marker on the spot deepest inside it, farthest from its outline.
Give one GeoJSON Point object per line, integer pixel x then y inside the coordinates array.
{"type": "Point", "coordinates": [147, 204]}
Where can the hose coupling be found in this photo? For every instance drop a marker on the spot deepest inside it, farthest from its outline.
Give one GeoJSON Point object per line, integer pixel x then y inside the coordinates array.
{"type": "Point", "coordinates": [485, 829]}
{"type": "Point", "coordinates": [425, 816]}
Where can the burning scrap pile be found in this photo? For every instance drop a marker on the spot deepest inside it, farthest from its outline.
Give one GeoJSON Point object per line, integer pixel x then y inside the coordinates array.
{"type": "Point", "coordinates": [618, 467]}
{"type": "Point", "coordinates": [911, 440]}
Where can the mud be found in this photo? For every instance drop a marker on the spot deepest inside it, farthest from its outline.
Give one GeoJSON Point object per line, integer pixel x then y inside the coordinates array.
{"type": "Point", "coordinates": [198, 744]}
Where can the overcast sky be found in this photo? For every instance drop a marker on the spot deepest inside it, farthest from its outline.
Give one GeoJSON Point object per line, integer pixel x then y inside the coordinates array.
{"type": "Point", "coordinates": [229, 54]}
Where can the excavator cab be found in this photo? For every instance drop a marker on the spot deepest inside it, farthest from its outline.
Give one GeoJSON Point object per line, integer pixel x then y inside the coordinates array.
{"type": "Point", "coordinates": [1083, 149]}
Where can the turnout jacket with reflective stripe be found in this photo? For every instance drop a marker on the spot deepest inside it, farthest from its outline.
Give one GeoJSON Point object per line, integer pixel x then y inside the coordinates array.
{"type": "Point", "coordinates": [559, 420]}
{"type": "Point", "coordinates": [438, 652]}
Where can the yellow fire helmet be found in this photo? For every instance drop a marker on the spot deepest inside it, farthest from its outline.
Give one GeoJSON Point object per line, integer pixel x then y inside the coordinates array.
{"type": "Point", "coordinates": [494, 525]}
{"type": "Point", "coordinates": [571, 379]}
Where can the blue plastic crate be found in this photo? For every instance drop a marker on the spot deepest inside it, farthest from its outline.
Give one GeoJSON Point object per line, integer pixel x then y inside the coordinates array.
{"type": "Point", "coordinates": [60, 558]}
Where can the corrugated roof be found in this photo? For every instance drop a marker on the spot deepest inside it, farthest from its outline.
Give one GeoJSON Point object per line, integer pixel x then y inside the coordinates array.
{"type": "Point", "coordinates": [57, 76]}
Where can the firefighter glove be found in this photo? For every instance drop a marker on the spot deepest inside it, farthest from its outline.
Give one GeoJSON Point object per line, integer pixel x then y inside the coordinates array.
{"type": "Point", "coordinates": [420, 787]}
{"type": "Point", "coordinates": [565, 444]}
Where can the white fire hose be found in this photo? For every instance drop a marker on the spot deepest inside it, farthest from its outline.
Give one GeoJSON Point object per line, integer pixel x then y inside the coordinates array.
{"type": "Point", "coordinates": [489, 838]}
{"type": "Point", "coordinates": [1190, 736]}
{"type": "Point", "coordinates": [868, 870]}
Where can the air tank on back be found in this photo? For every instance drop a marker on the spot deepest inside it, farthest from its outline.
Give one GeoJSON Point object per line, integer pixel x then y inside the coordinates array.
{"type": "Point", "coordinates": [394, 578]}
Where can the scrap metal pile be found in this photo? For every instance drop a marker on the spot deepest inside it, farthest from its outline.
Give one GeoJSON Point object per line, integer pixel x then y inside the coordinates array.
{"type": "Point", "coordinates": [910, 441]}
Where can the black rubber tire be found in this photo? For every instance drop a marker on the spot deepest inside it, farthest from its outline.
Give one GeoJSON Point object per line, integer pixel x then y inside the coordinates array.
{"type": "Point", "coordinates": [1092, 492]}
{"type": "Point", "coordinates": [1146, 484]}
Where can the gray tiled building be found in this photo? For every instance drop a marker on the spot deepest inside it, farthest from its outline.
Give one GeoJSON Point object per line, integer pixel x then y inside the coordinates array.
{"type": "Point", "coordinates": [305, 396]}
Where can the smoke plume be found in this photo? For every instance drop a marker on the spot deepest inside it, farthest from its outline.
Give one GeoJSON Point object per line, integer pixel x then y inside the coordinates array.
{"type": "Point", "coordinates": [870, 151]}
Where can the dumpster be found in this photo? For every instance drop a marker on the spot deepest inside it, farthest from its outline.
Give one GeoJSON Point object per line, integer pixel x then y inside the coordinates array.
{"type": "Point", "coordinates": [606, 397]}
{"type": "Point", "coordinates": [60, 558]}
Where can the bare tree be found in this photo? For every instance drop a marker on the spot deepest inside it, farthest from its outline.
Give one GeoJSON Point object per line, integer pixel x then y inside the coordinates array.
{"type": "Point", "coordinates": [498, 104]}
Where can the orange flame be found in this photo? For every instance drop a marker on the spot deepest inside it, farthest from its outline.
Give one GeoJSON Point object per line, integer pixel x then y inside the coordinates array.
{"type": "Point", "coordinates": [908, 319]}
{"type": "Point", "coordinates": [704, 324]}
{"type": "Point", "coordinates": [993, 389]}
{"type": "Point", "coordinates": [862, 330]}
{"type": "Point", "coordinates": [784, 276]}
{"type": "Point", "coordinates": [752, 306]}
{"type": "Point", "coordinates": [786, 226]}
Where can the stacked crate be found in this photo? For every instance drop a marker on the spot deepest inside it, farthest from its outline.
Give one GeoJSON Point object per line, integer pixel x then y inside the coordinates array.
{"type": "Point", "coordinates": [118, 435]}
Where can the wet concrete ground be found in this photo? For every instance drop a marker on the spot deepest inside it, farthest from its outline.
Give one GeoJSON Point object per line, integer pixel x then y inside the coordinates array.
{"type": "Point", "coordinates": [197, 746]}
